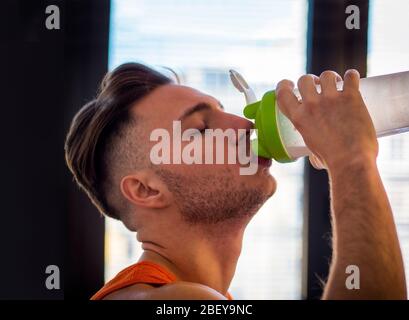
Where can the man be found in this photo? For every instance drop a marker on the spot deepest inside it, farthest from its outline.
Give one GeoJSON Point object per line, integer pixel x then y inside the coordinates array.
{"type": "Point", "coordinates": [190, 218]}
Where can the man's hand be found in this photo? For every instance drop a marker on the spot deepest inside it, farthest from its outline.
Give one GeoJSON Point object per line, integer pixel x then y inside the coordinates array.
{"type": "Point", "coordinates": [335, 125]}
{"type": "Point", "coordinates": [337, 128]}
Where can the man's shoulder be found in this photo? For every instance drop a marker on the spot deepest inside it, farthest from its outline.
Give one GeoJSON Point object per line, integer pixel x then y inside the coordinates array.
{"type": "Point", "coordinates": [180, 290]}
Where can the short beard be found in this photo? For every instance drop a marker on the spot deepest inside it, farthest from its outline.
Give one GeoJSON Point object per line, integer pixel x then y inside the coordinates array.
{"type": "Point", "coordinates": [211, 199]}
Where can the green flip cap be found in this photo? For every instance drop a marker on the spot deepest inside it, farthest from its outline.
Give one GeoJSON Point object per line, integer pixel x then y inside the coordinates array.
{"type": "Point", "coordinates": [268, 143]}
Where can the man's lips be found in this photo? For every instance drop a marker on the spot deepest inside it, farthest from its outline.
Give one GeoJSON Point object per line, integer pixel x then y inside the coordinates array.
{"type": "Point", "coordinates": [264, 161]}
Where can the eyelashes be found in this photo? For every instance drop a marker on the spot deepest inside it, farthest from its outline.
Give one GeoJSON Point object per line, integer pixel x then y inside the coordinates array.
{"type": "Point", "coordinates": [202, 130]}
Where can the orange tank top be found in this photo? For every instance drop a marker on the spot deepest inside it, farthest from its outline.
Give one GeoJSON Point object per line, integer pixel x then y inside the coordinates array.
{"type": "Point", "coordinates": [142, 272]}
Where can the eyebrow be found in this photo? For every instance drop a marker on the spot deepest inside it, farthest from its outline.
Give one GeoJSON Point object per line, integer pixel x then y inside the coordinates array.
{"type": "Point", "coordinates": [201, 106]}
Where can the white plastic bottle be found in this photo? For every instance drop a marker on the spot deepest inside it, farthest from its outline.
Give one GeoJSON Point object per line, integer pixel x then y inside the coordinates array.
{"type": "Point", "coordinates": [386, 97]}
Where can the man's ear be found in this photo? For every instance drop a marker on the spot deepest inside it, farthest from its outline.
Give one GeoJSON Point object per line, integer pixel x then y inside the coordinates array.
{"type": "Point", "coordinates": [145, 189]}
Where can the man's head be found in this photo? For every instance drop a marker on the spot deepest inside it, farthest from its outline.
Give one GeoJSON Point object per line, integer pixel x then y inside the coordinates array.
{"type": "Point", "coordinates": [109, 144]}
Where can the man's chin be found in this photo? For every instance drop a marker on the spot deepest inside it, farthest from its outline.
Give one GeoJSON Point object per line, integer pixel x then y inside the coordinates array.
{"type": "Point", "coordinates": [272, 187]}
{"type": "Point", "coordinates": [269, 183]}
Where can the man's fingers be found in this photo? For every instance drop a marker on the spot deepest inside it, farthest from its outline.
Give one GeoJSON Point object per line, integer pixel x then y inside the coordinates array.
{"type": "Point", "coordinates": [306, 86]}
{"type": "Point", "coordinates": [312, 162]}
{"type": "Point", "coordinates": [286, 99]}
{"type": "Point", "coordinates": [351, 80]}
{"type": "Point", "coordinates": [315, 162]}
{"type": "Point", "coordinates": [316, 78]}
{"type": "Point", "coordinates": [328, 80]}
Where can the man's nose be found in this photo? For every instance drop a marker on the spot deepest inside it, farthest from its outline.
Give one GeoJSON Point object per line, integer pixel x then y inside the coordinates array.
{"type": "Point", "coordinates": [235, 122]}
{"type": "Point", "coordinates": [240, 126]}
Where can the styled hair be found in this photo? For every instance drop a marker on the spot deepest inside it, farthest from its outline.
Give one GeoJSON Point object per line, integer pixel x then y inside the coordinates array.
{"type": "Point", "coordinates": [93, 131]}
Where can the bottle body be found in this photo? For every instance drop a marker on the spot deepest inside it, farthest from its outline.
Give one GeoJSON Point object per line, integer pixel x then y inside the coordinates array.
{"type": "Point", "coordinates": [387, 100]}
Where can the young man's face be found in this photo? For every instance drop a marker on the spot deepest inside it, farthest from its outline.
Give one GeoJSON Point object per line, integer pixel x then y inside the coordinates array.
{"type": "Point", "coordinates": [206, 192]}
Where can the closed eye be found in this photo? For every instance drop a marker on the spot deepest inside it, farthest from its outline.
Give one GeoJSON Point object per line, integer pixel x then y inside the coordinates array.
{"type": "Point", "coordinates": [203, 129]}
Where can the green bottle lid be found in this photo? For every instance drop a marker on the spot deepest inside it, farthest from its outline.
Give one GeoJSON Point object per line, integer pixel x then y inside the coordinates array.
{"type": "Point", "coordinates": [269, 143]}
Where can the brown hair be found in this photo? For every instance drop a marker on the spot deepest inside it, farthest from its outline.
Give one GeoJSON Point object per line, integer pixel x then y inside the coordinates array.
{"type": "Point", "coordinates": [94, 127]}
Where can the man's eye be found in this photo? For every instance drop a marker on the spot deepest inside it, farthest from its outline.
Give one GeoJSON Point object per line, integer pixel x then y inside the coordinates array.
{"type": "Point", "coordinates": [202, 130]}
{"type": "Point", "coordinates": [203, 127]}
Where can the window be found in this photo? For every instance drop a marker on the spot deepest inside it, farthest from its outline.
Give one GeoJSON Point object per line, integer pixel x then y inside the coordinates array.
{"type": "Point", "coordinates": [388, 52]}
{"type": "Point", "coordinates": [202, 40]}
{"type": "Point", "coordinates": [215, 79]}
{"type": "Point", "coordinates": [397, 147]}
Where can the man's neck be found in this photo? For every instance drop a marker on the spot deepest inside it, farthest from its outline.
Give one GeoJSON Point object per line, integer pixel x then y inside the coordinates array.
{"type": "Point", "coordinates": [205, 255]}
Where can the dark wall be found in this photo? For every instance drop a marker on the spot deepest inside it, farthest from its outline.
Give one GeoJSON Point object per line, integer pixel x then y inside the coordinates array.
{"type": "Point", "coordinates": [47, 75]}
{"type": "Point", "coordinates": [330, 46]}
